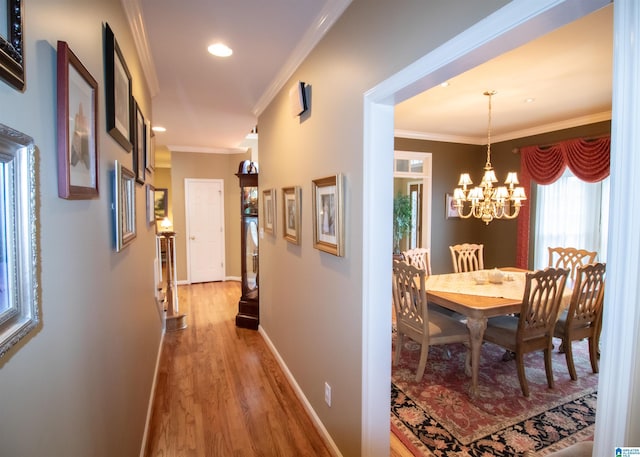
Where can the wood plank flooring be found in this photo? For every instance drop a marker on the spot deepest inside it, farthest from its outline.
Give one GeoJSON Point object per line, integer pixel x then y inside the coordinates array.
{"type": "Point", "coordinates": [220, 392]}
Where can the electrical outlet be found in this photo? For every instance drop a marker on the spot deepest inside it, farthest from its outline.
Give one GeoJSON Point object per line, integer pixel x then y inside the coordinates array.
{"type": "Point", "coordinates": [327, 393]}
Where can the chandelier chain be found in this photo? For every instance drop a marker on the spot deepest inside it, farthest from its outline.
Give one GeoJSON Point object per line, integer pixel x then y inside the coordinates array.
{"type": "Point", "coordinates": [489, 93]}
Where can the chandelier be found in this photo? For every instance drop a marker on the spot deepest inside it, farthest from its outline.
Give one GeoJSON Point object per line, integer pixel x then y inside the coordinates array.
{"type": "Point", "coordinates": [485, 201]}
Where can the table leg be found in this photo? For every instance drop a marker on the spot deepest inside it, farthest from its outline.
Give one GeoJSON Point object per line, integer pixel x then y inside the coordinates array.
{"type": "Point", "coordinates": [477, 326]}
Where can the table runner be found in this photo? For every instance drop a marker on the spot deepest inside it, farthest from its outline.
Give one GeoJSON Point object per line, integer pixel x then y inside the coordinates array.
{"type": "Point", "coordinates": [512, 286]}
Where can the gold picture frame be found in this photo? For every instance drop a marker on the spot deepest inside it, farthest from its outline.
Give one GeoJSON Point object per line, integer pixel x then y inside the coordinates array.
{"type": "Point", "coordinates": [328, 214]}
{"type": "Point", "coordinates": [291, 207]}
{"type": "Point", "coordinates": [269, 210]}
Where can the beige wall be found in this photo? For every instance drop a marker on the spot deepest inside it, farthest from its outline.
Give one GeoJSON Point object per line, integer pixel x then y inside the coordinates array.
{"type": "Point", "coordinates": [207, 166]}
{"type": "Point", "coordinates": [80, 385]}
{"type": "Point", "coordinates": [311, 302]}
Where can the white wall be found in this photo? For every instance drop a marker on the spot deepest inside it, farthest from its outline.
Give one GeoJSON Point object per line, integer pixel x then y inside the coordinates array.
{"type": "Point", "coordinates": [80, 384]}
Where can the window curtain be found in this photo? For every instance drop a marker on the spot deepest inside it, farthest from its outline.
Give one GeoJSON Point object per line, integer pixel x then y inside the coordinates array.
{"type": "Point", "coordinates": [588, 159]}
{"type": "Point", "coordinates": [580, 221]}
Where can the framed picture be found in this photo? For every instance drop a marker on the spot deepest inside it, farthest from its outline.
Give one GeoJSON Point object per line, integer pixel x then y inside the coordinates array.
{"type": "Point", "coordinates": [328, 213]}
{"type": "Point", "coordinates": [11, 43]}
{"type": "Point", "coordinates": [291, 207]}
{"type": "Point", "coordinates": [117, 92]}
{"type": "Point", "coordinates": [124, 206]}
{"type": "Point", "coordinates": [149, 147]}
{"type": "Point", "coordinates": [20, 262]}
{"type": "Point", "coordinates": [449, 209]}
{"type": "Point", "coordinates": [269, 210]}
{"type": "Point", "coordinates": [151, 213]}
{"type": "Point", "coordinates": [77, 128]}
{"type": "Point", "coordinates": [139, 140]}
{"type": "Point", "coordinates": [160, 203]}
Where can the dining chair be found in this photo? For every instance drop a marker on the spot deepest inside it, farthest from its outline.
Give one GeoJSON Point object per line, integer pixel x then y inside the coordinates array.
{"type": "Point", "coordinates": [467, 257]}
{"type": "Point", "coordinates": [570, 258]}
{"type": "Point", "coordinates": [419, 258]}
{"type": "Point", "coordinates": [583, 317]}
{"type": "Point", "coordinates": [417, 321]}
{"type": "Point", "coordinates": [532, 329]}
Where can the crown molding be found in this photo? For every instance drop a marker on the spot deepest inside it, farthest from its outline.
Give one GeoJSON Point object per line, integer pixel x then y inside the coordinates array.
{"type": "Point", "coordinates": [206, 150]}
{"type": "Point", "coordinates": [531, 131]}
{"type": "Point", "coordinates": [330, 13]}
{"type": "Point", "coordinates": [133, 11]}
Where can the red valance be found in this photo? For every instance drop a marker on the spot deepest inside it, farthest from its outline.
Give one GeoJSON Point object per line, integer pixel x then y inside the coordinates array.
{"type": "Point", "coordinates": [587, 159]}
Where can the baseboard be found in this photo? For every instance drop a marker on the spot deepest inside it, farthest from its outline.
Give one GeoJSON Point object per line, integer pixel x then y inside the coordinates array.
{"type": "Point", "coordinates": [186, 282]}
{"type": "Point", "coordinates": [152, 395]}
{"type": "Point", "coordinates": [296, 388]}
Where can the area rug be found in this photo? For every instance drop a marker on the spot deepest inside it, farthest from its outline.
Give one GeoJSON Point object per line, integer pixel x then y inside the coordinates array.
{"type": "Point", "coordinates": [436, 416]}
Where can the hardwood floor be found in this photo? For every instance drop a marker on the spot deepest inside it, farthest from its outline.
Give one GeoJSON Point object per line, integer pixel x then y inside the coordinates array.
{"type": "Point", "coordinates": [220, 392]}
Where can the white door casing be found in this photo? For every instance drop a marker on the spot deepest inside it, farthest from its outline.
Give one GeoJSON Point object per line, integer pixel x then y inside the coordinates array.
{"type": "Point", "coordinates": [204, 207]}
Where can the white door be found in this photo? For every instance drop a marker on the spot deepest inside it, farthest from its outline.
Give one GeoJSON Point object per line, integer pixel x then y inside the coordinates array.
{"type": "Point", "coordinates": [204, 203]}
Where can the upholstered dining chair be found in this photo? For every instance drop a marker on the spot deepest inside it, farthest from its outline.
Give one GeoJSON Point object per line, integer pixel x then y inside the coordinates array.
{"type": "Point", "coordinates": [583, 317]}
{"type": "Point", "coordinates": [467, 257]}
{"type": "Point", "coordinates": [570, 258]}
{"type": "Point", "coordinates": [532, 329]}
{"type": "Point", "coordinates": [415, 320]}
{"type": "Point", "coordinates": [419, 258]}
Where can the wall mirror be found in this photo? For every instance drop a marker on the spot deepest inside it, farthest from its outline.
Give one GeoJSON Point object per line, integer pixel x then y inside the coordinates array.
{"type": "Point", "coordinates": [11, 58]}
{"type": "Point", "coordinates": [18, 259]}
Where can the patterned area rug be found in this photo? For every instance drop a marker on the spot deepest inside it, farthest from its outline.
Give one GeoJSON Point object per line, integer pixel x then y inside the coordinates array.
{"type": "Point", "coordinates": [436, 416]}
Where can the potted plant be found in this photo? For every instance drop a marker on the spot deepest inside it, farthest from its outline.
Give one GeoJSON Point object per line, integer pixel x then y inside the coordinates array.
{"type": "Point", "coordinates": [401, 219]}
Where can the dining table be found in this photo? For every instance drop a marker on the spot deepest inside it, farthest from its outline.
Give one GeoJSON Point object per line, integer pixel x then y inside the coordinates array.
{"type": "Point", "coordinates": [472, 295]}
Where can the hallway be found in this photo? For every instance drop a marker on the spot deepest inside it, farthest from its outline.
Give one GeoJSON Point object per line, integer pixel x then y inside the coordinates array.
{"type": "Point", "coordinates": [220, 392]}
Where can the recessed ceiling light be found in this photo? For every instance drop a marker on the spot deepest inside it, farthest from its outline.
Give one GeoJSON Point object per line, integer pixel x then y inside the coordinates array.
{"type": "Point", "coordinates": [445, 84]}
{"type": "Point", "coordinates": [529, 100]}
{"type": "Point", "coordinates": [220, 50]}
{"type": "Point", "coordinates": [157, 128]}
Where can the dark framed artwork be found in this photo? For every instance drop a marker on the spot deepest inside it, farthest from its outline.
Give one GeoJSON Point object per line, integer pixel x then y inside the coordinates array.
{"type": "Point", "coordinates": [161, 203]}
{"type": "Point", "coordinates": [328, 214]}
{"type": "Point", "coordinates": [11, 43]}
{"type": "Point", "coordinates": [139, 141]}
{"type": "Point", "coordinates": [117, 92]}
{"type": "Point", "coordinates": [77, 128]}
{"type": "Point", "coordinates": [150, 147]}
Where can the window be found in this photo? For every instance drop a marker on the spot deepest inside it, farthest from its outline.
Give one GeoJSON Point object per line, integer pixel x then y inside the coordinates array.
{"type": "Point", "coordinates": [18, 281]}
{"type": "Point", "coordinates": [572, 213]}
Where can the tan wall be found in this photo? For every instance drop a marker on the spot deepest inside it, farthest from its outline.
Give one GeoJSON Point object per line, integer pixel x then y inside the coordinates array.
{"type": "Point", "coordinates": [80, 384]}
{"type": "Point", "coordinates": [310, 301]}
{"type": "Point", "coordinates": [207, 166]}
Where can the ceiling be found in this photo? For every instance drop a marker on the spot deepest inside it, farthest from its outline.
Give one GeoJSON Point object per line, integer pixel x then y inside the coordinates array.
{"type": "Point", "coordinates": [209, 104]}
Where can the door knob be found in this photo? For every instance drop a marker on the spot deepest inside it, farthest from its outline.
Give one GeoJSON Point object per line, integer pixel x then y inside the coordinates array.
{"type": "Point", "coordinates": [192, 237]}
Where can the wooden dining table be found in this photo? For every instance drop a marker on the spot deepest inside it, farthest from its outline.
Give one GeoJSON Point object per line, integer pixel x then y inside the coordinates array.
{"type": "Point", "coordinates": [461, 293]}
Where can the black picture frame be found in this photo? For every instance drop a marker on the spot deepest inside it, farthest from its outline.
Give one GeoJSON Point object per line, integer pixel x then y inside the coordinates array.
{"type": "Point", "coordinates": [139, 141]}
{"type": "Point", "coordinates": [11, 49]}
{"type": "Point", "coordinates": [117, 92]}
{"type": "Point", "coordinates": [77, 119]}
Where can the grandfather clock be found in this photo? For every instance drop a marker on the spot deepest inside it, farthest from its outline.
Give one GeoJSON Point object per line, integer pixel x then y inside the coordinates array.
{"type": "Point", "coordinates": [248, 307]}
